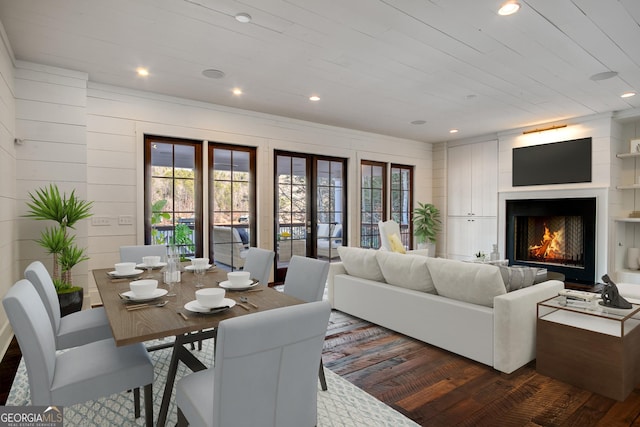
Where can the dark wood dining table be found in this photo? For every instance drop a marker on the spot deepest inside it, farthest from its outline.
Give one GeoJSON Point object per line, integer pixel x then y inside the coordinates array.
{"type": "Point", "coordinates": [173, 319]}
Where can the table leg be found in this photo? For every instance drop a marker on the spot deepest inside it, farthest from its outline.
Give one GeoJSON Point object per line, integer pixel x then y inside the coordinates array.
{"type": "Point", "coordinates": [180, 353]}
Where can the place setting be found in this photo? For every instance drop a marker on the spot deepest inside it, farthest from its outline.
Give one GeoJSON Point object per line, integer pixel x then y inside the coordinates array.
{"type": "Point", "coordinates": [210, 301]}
{"type": "Point", "coordinates": [239, 281]}
{"type": "Point", "coordinates": [124, 270]}
{"type": "Point", "coordinates": [142, 293]}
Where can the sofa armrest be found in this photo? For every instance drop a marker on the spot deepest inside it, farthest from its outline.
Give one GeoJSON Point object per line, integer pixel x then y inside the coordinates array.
{"type": "Point", "coordinates": [334, 269]}
{"type": "Point", "coordinates": [514, 324]}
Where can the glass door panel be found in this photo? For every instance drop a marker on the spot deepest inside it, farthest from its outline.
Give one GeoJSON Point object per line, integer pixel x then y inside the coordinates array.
{"type": "Point", "coordinates": [291, 207]}
{"type": "Point", "coordinates": [231, 198]}
{"type": "Point", "coordinates": [173, 213]}
{"type": "Point", "coordinates": [330, 196]}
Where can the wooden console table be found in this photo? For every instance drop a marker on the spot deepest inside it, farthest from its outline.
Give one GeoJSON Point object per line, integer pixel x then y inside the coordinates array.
{"type": "Point", "coordinates": [589, 346]}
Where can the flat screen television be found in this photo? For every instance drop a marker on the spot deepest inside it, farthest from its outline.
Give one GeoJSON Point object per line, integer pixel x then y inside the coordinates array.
{"type": "Point", "coordinates": [556, 163]}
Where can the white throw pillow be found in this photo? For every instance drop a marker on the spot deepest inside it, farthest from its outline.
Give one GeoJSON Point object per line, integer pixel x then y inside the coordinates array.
{"type": "Point", "coordinates": [406, 271]}
{"type": "Point", "coordinates": [466, 281]}
{"type": "Point", "coordinates": [361, 263]}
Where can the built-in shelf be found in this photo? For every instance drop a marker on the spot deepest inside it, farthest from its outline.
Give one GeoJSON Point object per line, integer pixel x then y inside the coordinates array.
{"type": "Point", "coordinates": [627, 155]}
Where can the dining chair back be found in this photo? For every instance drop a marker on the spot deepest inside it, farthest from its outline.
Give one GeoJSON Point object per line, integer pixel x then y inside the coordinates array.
{"type": "Point", "coordinates": [74, 329]}
{"type": "Point", "coordinates": [264, 372]}
{"type": "Point", "coordinates": [136, 252]}
{"type": "Point", "coordinates": [306, 278]}
{"type": "Point", "coordinates": [79, 374]}
{"type": "Point", "coordinates": [259, 263]}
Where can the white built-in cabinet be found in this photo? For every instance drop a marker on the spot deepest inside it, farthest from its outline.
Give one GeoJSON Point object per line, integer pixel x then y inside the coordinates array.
{"type": "Point", "coordinates": [472, 199]}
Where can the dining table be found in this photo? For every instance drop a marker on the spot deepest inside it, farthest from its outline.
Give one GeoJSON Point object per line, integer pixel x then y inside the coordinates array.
{"type": "Point", "coordinates": [171, 315]}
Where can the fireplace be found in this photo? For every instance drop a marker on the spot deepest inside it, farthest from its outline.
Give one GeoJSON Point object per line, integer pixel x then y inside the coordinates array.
{"type": "Point", "coordinates": [556, 234]}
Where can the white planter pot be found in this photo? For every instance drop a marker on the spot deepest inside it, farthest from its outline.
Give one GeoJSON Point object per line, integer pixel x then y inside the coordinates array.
{"type": "Point", "coordinates": [430, 247]}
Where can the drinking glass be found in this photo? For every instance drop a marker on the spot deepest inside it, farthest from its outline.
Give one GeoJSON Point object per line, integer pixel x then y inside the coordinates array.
{"type": "Point", "coordinates": [199, 270]}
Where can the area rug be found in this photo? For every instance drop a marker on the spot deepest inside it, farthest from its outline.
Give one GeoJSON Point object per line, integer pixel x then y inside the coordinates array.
{"type": "Point", "coordinates": [343, 404]}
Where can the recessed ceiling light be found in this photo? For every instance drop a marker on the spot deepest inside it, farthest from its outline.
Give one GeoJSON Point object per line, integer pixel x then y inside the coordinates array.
{"type": "Point", "coordinates": [418, 122]}
{"type": "Point", "coordinates": [143, 72]}
{"type": "Point", "coordinates": [453, 131]}
{"type": "Point", "coordinates": [243, 17]}
{"type": "Point", "coordinates": [628, 95]}
{"type": "Point", "coordinates": [509, 8]}
{"type": "Point", "coordinates": [603, 76]}
{"type": "Point", "coordinates": [237, 91]}
{"type": "Point", "coordinates": [213, 74]}
{"type": "Point", "coordinates": [314, 98]}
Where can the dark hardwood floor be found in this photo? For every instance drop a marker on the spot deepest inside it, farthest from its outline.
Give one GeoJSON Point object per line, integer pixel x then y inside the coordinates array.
{"type": "Point", "coordinates": [434, 387]}
{"type": "Point", "coordinates": [437, 388]}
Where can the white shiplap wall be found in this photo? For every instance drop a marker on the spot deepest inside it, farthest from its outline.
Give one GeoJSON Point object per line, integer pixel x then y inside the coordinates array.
{"type": "Point", "coordinates": [51, 119]}
{"type": "Point", "coordinates": [118, 119]}
{"type": "Point", "coordinates": [9, 271]}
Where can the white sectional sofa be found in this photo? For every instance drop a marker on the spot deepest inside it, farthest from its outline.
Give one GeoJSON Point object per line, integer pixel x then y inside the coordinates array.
{"type": "Point", "coordinates": [458, 306]}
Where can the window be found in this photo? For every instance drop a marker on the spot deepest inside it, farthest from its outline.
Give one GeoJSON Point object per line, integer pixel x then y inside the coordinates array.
{"type": "Point", "coordinates": [173, 184]}
{"type": "Point", "coordinates": [402, 201]}
{"type": "Point", "coordinates": [232, 190]}
{"type": "Point", "coordinates": [372, 202]}
{"type": "Point", "coordinates": [177, 201]}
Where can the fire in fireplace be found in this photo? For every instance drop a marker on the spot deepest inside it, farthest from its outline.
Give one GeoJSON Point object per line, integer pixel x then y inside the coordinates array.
{"type": "Point", "coordinates": [557, 234]}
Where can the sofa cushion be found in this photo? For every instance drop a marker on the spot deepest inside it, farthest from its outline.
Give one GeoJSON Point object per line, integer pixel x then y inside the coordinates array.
{"type": "Point", "coordinates": [466, 281]}
{"type": "Point", "coordinates": [517, 276]}
{"type": "Point", "coordinates": [407, 271]}
{"type": "Point", "coordinates": [361, 263]}
{"type": "Point", "coordinates": [396, 243]}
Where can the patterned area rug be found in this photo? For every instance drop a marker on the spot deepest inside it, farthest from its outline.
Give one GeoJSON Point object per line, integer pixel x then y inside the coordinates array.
{"type": "Point", "coordinates": [342, 405]}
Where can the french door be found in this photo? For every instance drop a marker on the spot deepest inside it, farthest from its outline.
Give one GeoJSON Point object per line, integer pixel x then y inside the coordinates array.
{"type": "Point", "coordinates": [310, 206]}
{"type": "Point", "coordinates": [204, 206]}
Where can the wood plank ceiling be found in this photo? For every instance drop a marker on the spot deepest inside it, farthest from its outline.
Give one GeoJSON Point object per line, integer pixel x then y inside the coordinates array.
{"type": "Point", "coordinates": [376, 64]}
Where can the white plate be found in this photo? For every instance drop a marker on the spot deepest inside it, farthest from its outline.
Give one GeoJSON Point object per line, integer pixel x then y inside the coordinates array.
{"type": "Point", "coordinates": [129, 295]}
{"type": "Point", "coordinates": [153, 267]}
{"type": "Point", "coordinates": [249, 284]}
{"type": "Point", "coordinates": [191, 268]}
{"type": "Point", "coordinates": [197, 308]}
{"type": "Point", "coordinates": [134, 274]}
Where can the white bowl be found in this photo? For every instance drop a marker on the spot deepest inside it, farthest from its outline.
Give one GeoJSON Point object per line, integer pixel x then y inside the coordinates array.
{"type": "Point", "coordinates": [238, 278]}
{"type": "Point", "coordinates": [210, 297]}
{"type": "Point", "coordinates": [143, 288]}
{"type": "Point", "coordinates": [125, 267]}
{"type": "Point", "coordinates": [151, 260]}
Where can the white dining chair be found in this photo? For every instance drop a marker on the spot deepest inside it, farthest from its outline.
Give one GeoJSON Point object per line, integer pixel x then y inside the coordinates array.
{"type": "Point", "coordinates": [136, 252]}
{"type": "Point", "coordinates": [264, 372]}
{"type": "Point", "coordinates": [386, 229]}
{"type": "Point", "coordinates": [80, 374]}
{"type": "Point", "coordinates": [306, 279]}
{"type": "Point", "coordinates": [74, 329]}
{"type": "Point", "coordinates": [259, 263]}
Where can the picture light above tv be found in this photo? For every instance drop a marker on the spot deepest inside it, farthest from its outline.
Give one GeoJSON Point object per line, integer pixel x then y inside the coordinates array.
{"type": "Point", "coordinates": [565, 162]}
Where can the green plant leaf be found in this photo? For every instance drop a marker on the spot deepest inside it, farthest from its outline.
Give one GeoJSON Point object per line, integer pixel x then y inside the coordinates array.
{"type": "Point", "coordinates": [426, 222]}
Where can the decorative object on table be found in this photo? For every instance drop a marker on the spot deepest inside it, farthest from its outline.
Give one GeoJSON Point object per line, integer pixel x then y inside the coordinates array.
{"type": "Point", "coordinates": [426, 226]}
{"type": "Point", "coordinates": [610, 295]}
{"type": "Point", "coordinates": [48, 205]}
{"type": "Point", "coordinates": [632, 258]}
{"type": "Point", "coordinates": [480, 256]}
{"type": "Point", "coordinates": [634, 214]}
{"type": "Point", "coordinates": [634, 146]}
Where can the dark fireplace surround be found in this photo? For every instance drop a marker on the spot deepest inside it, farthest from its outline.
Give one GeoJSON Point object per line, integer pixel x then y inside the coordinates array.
{"type": "Point", "coordinates": [556, 234]}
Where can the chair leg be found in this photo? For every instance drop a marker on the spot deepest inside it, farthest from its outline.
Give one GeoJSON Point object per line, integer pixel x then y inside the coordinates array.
{"type": "Point", "coordinates": [148, 404]}
{"type": "Point", "coordinates": [136, 402]}
{"type": "Point", "coordinates": [182, 420]}
{"type": "Point", "coordinates": [323, 381]}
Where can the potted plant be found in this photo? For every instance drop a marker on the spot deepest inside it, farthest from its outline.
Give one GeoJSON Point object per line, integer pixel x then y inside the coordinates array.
{"type": "Point", "coordinates": [48, 204]}
{"type": "Point", "coordinates": [426, 225]}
